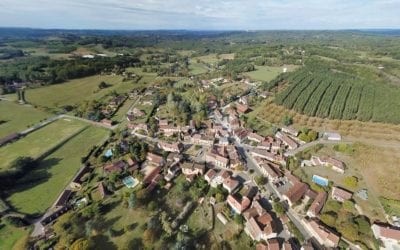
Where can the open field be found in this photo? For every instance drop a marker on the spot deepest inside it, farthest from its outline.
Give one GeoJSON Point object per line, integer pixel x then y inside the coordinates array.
{"type": "Point", "coordinates": [197, 68]}
{"type": "Point", "coordinates": [15, 118]}
{"type": "Point", "coordinates": [76, 91]}
{"type": "Point", "coordinates": [119, 218]}
{"type": "Point", "coordinates": [53, 173]}
{"type": "Point", "coordinates": [267, 73]}
{"type": "Point", "coordinates": [367, 132]}
{"type": "Point", "coordinates": [38, 142]}
{"type": "Point", "coordinates": [210, 59]}
{"type": "Point", "coordinates": [10, 236]}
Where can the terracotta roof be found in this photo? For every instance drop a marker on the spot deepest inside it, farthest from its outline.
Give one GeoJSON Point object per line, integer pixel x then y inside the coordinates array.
{"type": "Point", "coordinates": [253, 228]}
{"type": "Point", "coordinates": [230, 183]}
{"type": "Point", "coordinates": [388, 232]}
{"type": "Point", "coordinates": [115, 167]}
{"type": "Point", "coordinates": [211, 174]}
{"type": "Point", "coordinates": [273, 244]}
{"type": "Point", "coordinates": [318, 203]}
{"type": "Point", "coordinates": [255, 137]}
{"type": "Point", "coordinates": [341, 193]}
{"type": "Point", "coordinates": [261, 246]}
{"type": "Point", "coordinates": [296, 192]}
{"type": "Point", "coordinates": [323, 232]}
{"type": "Point", "coordinates": [241, 205]}
{"type": "Point", "coordinates": [333, 162]}
{"type": "Point", "coordinates": [242, 108]}
{"type": "Point", "coordinates": [154, 158]}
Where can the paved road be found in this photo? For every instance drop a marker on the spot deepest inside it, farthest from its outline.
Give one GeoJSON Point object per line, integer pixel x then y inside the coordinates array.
{"type": "Point", "coordinates": [312, 144]}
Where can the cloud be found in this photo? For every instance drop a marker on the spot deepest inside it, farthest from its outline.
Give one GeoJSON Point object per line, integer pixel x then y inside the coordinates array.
{"type": "Point", "coordinates": [201, 14]}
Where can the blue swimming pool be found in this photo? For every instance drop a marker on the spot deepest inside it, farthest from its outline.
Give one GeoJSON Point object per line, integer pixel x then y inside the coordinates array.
{"type": "Point", "coordinates": [130, 182]}
{"type": "Point", "coordinates": [108, 154]}
{"type": "Point", "coordinates": [320, 180]}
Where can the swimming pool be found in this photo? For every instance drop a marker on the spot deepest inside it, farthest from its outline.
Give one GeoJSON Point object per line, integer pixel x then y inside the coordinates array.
{"type": "Point", "coordinates": [130, 182]}
{"type": "Point", "coordinates": [320, 180]}
{"type": "Point", "coordinates": [108, 154]}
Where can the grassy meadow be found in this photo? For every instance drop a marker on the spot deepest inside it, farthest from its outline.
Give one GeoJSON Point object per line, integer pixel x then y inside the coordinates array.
{"type": "Point", "coordinates": [12, 237]}
{"type": "Point", "coordinates": [38, 142]}
{"type": "Point", "coordinates": [15, 117]}
{"type": "Point", "coordinates": [53, 173]}
{"type": "Point", "coordinates": [76, 91]}
{"type": "Point", "coordinates": [267, 73]}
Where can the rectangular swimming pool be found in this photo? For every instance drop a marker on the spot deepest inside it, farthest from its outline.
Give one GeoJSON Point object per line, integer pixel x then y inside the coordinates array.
{"type": "Point", "coordinates": [130, 182]}
{"type": "Point", "coordinates": [320, 180]}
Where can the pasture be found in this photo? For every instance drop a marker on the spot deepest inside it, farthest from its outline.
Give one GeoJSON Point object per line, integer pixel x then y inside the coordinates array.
{"type": "Point", "coordinates": [197, 68]}
{"type": "Point", "coordinates": [11, 237]}
{"type": "Point", "coordinates": [39, 141]}
{"type": "Point", "coordinates": [76, 91]}
{"type": "Point", "coordinates": [267, 73]}
{"type": "Point", "coordinates": [37, 191]}
{"type": "Point", "coordinates": [15, 117]}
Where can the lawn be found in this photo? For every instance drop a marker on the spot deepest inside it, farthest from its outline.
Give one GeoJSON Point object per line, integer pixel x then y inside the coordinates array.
{"type": "Point", "coordinates": [197, 68]}
{"type": "Point", "coordinates": [210, 59]}
{"type": "Point", "coordinates": [267, 73]}
{"type": "Point", "coordinates": [15, 117]}
{"type": "Point", "coordinates": [38, 142]}
{"type": "Point", "coordinates": [76, 91]}
{"type": "Point", "coordinates": [37, 191]}
{"type": "Point", "coordinates": [10, 236]}
{"type": "Point", "coordinates": [120, 219]}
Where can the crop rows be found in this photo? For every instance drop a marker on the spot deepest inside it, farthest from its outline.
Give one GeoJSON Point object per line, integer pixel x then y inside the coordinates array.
{"type": "Point", "coordinates": [340, 96]}
{"type": "Point", "coordinates": [366, 106]}
{"type": "Point", "coordinates": [351, 107]}
{"type": "Point", "coordinates": [295, 93]}
{"type": "Point", "coordinates": [326, 101]}
{"type": "Point", "coordinates": [296, 80]}
{"type": "Point", "coordinates": [337, 106]}
{"type": "Point", "coordinates": [315, 99]}
{"type": "Point", "coordinates": [305, 95]}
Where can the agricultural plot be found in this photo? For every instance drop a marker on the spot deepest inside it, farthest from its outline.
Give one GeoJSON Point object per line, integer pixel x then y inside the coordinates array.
{"type": "Point", "coordinates": [10, 236]}
{"type": "Point", "coordinates": [53, 173]}
{"type": "Point", "coordinates": [15, 118]}
{"type": "Point", "coordinates": [338, 96]}
{"type": "Point", "coordinates": [76, 91]}
{"type": "Point", "coordinates": [197, 68]}
{"type": "Point", "coordinates": [267, 73]}
{"type": "Point", "coordinates": [38, 142]}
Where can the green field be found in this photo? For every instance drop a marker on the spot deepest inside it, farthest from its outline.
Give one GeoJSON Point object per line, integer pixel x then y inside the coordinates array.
{"type": "Point", "coordinates": [333, 94]}
{"type": "Point", "coordinates": [267, 73]}
{"type": "Point", "coordinates": [76, 91]}
{"type": "Point", "coordinates": [37, 191]}
{"type": "Point", "coordinates": [197, 68]}
{"type": "Point", "coordinates": [15, 118]}
{"type": "Point", "coordinates": [38, 142]}
{"type": "Point", "coordinates": [10, 235]}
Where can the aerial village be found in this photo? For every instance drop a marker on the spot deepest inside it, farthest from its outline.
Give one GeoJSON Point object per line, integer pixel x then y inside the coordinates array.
{"type": "Point", "coordinates": [248, 172]}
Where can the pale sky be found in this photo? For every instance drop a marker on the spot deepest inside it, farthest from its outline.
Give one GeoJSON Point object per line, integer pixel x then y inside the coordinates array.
{"type": "Point", "coordinates": [201, 14]}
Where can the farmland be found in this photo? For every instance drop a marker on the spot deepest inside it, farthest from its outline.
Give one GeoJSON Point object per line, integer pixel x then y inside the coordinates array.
{"type": "Point", "coordinates": [267, 73]}
{"type": "Point", "coordinates": [10, 236]}
{"type": "Point", "coordinates": [15, 118]}
{"type": "Point", "coordinates": [38, 142]}
{"type": "Point", "coordinates": [53, 173]}
{"type": "Point", "coordinates": [334, 95]}
{"type": "Point", "coordinates": [76, 91]}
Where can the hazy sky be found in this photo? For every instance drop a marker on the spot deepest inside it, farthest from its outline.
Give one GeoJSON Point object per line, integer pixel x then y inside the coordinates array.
{"type": "Point", "coordinates": [201, 14]}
